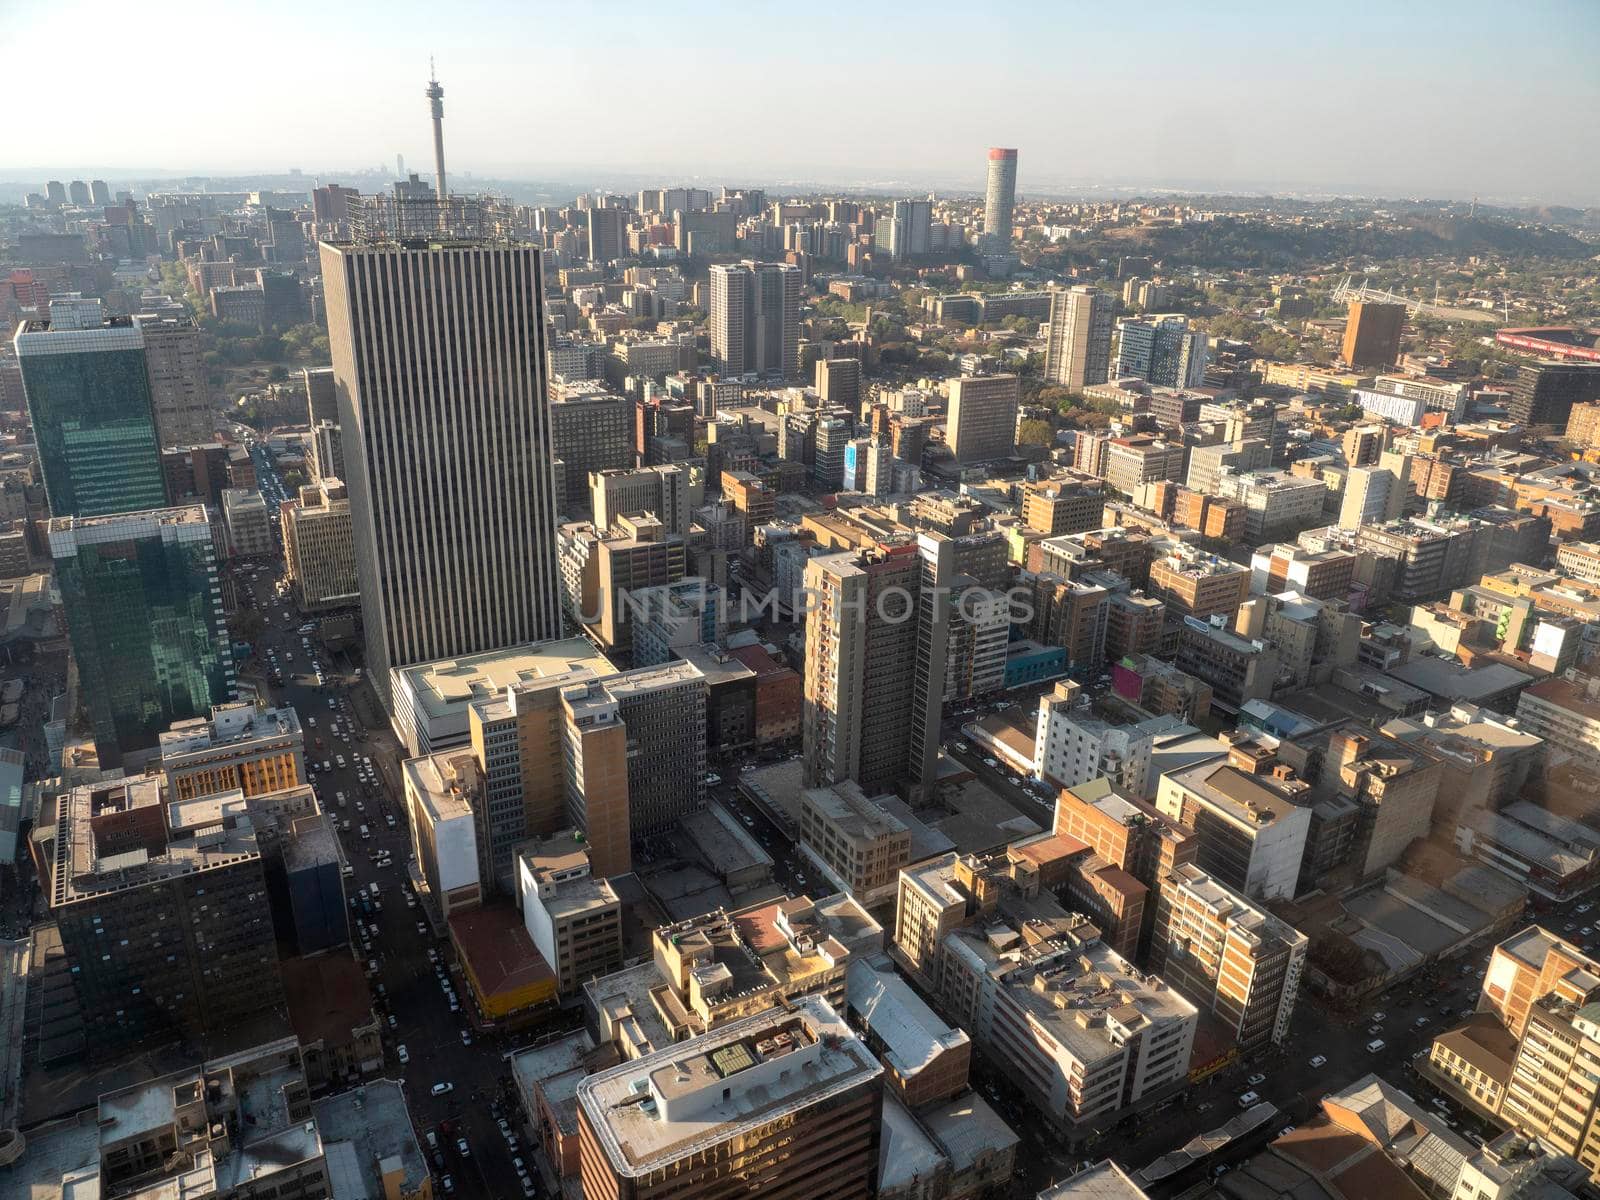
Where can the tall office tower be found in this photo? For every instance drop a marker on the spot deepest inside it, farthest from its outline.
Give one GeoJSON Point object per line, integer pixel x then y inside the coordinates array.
{"type": "Point", "coordinates": [78, 190]}
{"type": "Point", "coordinates": [982, 421]}
{"type": "Point", "coordinates": [438, 351]}
{"type": "Point", "coordinates": [55, 192]}
{"type": "Point", "coordinates": [1372, 334]}
{"type": "Point", "coordinates": [1543, 393]}
{"type": "Point", "coordinates": [178, 396]}
{"type": "Point", "coordinates": [911, 236]}
{"type": "Point", "coordinates": [838, 383]}
{"type": "Point", "coordinates": [99, 193]}
{"type": "Point", "coordinates": [1078, 346]}
{"type": "Point", "coordinates": [1373, 495]}
{"type": "Point", "coordinates": [88, 392]}
{"type": "Point", "coordinates": [162, 914]}
{"type": "Point", "coordinates": [435, 95]}
{"type": "Point", "coordinates": [755, 318]}
{"type": "Point", "coordinates": [145, 620]}
{"type": "Point", "coordinates": [785, 1104]}
{"type": "Point", "coordinates": [319, 547]}
{"type": "Point", "coordinates": [607, 233]}
{"type": "Point", "coordinates": [874, 669]}
{"type": "Point", "coordinates": [1162, 350]}
{"type": "Point", "coordinates": [999, 199]}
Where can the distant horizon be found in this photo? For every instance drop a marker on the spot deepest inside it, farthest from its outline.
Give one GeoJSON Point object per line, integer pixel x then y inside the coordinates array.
{"type": "Point", "coordinates": [1446, 99]}
{"type": "Point", "coordinates": [17, 181]}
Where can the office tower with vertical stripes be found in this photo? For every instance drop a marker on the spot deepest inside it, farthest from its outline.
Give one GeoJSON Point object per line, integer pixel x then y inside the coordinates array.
{"type": "Point", "coordinates": [439, 364]}
{"type": "Point", "coordinates": [755, 318]}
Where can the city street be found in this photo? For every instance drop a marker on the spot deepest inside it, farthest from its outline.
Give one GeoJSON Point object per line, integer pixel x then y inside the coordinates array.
{"type": "Point", "coordinates": [412, 991]}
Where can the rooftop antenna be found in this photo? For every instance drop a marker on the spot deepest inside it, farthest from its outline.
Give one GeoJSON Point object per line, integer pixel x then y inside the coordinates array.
{"type": "Point", "coordinates": [435, 95]}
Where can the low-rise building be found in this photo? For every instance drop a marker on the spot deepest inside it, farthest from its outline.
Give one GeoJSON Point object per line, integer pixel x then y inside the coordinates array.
{"type": "Point", "coordinates": [925, 1060]}
{"type": "Point", "coordinates": [573, 916]}
{"type": "Point", "coordinates": [859, 846]}
{"type": "Point", "coordinates": [241, 745]}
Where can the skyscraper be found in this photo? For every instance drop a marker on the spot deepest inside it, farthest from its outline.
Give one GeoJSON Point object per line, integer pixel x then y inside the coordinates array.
{"type": "Point", "coordinates": [99, 193]}
{"type": "Point", "coordinates": [606, 229]}
{"type": "Point", "coordinates": [145, 619]}
{"type": "Point", "coordinates": [88, 388]}
{"type": "Point", "coordinates": [1162, 350]}
{"type": "Point", "coordinates": [982, 421]}
{"type": "Point", "coordinates": [439, 358]}
{"type": "Point", "coordinates": [179, 400]}
{"type": "Point", "coordinates": [79, 191]}
{"type": "Point", "coordinates": [755, 318]}
{"type": "Point", "coordinates": [874, 669]}
{"type": "Point", "coordinates": [1372, 334]}
{"type": "Point", "coordinates": [999, 199]}
{"type": "Point", "coordinates": [912, 229]}
{"type": "Point", "coordinates": [1078, 346]}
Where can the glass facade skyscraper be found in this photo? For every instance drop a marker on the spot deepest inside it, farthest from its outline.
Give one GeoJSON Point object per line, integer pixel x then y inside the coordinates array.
{"type": "Point", "coordinates": [88, 391]}
{"type": "Point", "coordinates": [144, 612]}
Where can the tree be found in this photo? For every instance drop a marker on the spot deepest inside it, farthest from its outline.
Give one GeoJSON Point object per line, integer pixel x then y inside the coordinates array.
{"type": "Point", "coordinates": [1035, 432]}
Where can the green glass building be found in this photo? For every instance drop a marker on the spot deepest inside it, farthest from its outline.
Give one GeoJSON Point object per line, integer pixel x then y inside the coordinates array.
{"type": "Point", "coordinates": [144, 613]}
{"type": "Point", "coordinates": [88, 392]}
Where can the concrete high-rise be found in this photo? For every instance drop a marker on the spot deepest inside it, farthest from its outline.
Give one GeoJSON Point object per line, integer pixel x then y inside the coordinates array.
{"type": "Point", "coordinates": [755, 318]}
{"type": "Point", "coordinates": [1078, 343]}
{"type": "Point", "coordinates": [319, 547]}
{"type": "Point", "coordinates": [88, 388]}
{"type": "Point", "coordinates": [1372, 334]}
{"type": "Point", "coordinates": [439, 361]}
{"type": "Point", "coordinates": [607, 233]}
{"type": "Point", "coordinates": [875, 664]}
{"type": "Point", "coordinates": [145, 620]}
{"type": "Point", "coordinates": [179, 401]}
{"type": "Point", "coordinates": [999, 199]}
{"type": "Point", "coordinates": [982, 421]}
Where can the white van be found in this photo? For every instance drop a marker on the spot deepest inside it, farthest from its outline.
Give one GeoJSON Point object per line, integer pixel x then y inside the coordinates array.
{"type": "Point", "coordinates": [364, 832]}
{"type": "Point", "coordinates": [1248, 1099]}
{"type": "Point", "coordinates": [1375, 1045]}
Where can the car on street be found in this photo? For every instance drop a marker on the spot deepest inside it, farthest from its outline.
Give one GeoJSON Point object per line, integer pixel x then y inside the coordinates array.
{"type": "Point", "coordinates": [462, 1148]}
{"type": "Point", "coordinates": [466, 1038]}
{"type": "Point", "coordinates": [1256, 1080]}
{"type": "Point", "coordinates": [441, 1089]}
{"type": "Point", "coordinates": [448, 1183]}
{"type": "Point", "coordinates": [402, 1054]}
{"type": "Point", "coordinates": [1249, 1098]}
{"type": "Point", "coordinates": [1375, 1045]}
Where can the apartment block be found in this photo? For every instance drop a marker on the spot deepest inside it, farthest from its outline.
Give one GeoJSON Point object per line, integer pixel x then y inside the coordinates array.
{"type": "Point", "coordinates": [1132, 462]}
{"type": "Point", "coordinates": [1533, 963]}
{"type": "Point", "coordinates": [1285, 567]}
{"type": "Point", "coordinates": [1072, 745]}
{"type": "Point", "coordinates": [242, 745]}
{"type": "Point", "coordinates": [1565, 714]}
{"type": "Point", "coordinates": [591, 430]}
{"type": "Point", "coordinates": [1057, 506]}
{"type": "Point", "coordinates": [1229, 956]}
{"type": "Point", "coordinates": [663, 491]}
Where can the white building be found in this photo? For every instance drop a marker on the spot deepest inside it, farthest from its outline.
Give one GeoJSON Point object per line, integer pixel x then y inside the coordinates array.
{"type": "Point", "coordinates": [1402, 410]}
{"type": "Point", "coordinates": [1071, 746]}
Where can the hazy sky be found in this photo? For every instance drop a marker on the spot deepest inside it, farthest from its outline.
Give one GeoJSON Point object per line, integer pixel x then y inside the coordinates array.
{"type": "Point", "coordinates": [1399, 97]}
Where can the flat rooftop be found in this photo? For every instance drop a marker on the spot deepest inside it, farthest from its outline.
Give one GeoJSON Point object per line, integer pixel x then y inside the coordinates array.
{"type": "Point", "coordinates": [376, 1122]}
{"type": "Point", "coordinates": [695, 1095]}
{"type": "Point", "coordinates": [449, 684]}
{"type": "Point", "coordinates": [1247, 799]}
